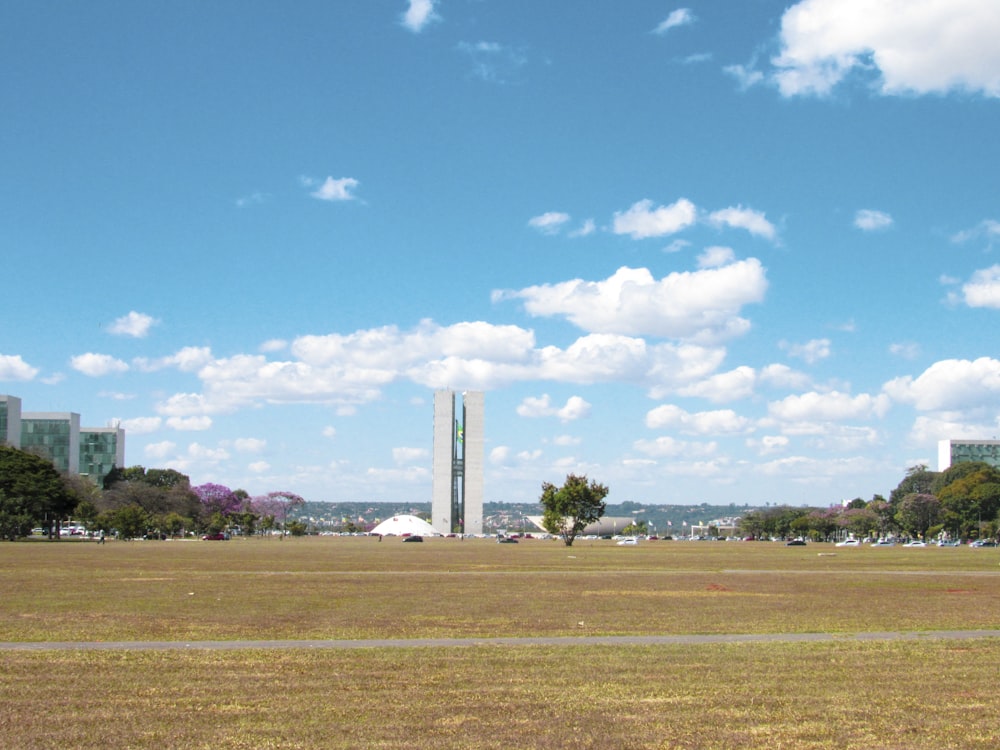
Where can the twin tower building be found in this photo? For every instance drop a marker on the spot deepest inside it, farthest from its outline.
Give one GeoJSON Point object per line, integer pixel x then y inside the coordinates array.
{"type": "Point", "coordinates": [457, 480]}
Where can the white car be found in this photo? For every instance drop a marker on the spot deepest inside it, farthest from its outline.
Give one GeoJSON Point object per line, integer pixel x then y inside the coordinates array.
{"type": "Point", "coordinates": [628, 542]}
{"type": "Point", "coordinates": [848, 543]}
{"type": "Point", "coordinates": [915, 543]}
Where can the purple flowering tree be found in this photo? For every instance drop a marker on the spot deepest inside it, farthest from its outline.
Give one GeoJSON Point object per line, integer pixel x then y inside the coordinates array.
{"type": "Point", "coordinates": [273, 508]}
{"type": "Point", "coordinates": [217, 498]}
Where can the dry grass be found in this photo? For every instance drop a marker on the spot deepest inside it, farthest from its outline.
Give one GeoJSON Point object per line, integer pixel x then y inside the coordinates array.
{"type": "Point", "coordinates": [912, 694]}
{"type": "Point", "coordinates": [832, 695]}
{"type": "Point", "coordinates": [357, 588]}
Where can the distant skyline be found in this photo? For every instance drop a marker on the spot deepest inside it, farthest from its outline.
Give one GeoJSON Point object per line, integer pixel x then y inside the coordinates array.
{"type": "Point", "coordinates": [700, 252]}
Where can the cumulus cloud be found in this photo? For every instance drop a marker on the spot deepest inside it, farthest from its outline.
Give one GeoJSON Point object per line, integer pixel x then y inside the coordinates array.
{"type": "Point", "coordinates": [13, 367]}
{"type": "Point", "coordinates": [828, 407]}
{"type": "Point", "coordinates": [983, 289]}
{"type": "Point", "coordinates": [950, 384]}
{"type": "Point", "coordinates": [135, 324]}
{"type": "Point", "coordinates": [550, 222]}
{"type": "Point", "coordinates": [643, 220]}
{"type": "Point", "coordinates": [408, 455]}
{"type": "Point", "coordinates": [718, 422]}
{"type": "Point", "coordinates": [249, 445]}
{"type": "Point", "coordinates": [188, 359]}
{"type": "Point", "coordinates": [738, 217]}
{"type": "Point", "coordinates": [97, 365]}
{"type": "Point", "coordinates": [917, 47]}
{"type": "Point", "coordinates": [333, 190]}
{"type": "Point", "coordinates": [812, 351]}
{"type": "Point", "coordinates": [160, 450]}
{"type": "Point", "coordinates": [575, 408]}
{"type": "Point", "coordinates": [733, 385]}
{"type": "Point", "coordinates": [870, 220]}
{"type": "Point", "coordinates": [418, 15]}
{"type": "Point", "coordinates": [701, 304]}
{"type": "Point", "coordinates": [713, 257]}
{"type": "Point", "coordinates": [679, 17]}
{"type": "Point", "coordinates": [140, 425]}
{"type": "Point", "coordinates": [189, 424]}
{"type": "Point", "coordinates": [668, 447]}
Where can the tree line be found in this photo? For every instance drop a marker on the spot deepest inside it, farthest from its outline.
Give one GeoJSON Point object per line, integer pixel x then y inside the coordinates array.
{"type": "Point", "coordinates": [133, 502]}
{"type": "Point", "coordinates": [962, 502]}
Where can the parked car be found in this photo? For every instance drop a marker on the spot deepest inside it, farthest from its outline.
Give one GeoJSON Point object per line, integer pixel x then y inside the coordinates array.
{"type": "Point", "coordinates": [915, 543]}
{"type": "Point", "coordinates": [848, 543]}
{"type": "Point", "coordinates": [883, 543]}
{"type": "Point", "coordinates": [796, 543]}
{"type": "Point", "coordinates": [218, 536]}
{"type": "Point", "coordinates": [506, 540]}
{"type": "Point", "coordinates": [413, 538]}
{"type": "Point", "coordinates": [628, 542]}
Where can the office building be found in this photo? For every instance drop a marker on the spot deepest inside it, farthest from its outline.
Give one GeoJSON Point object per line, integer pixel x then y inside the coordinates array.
{"type": "Point", "coordinates": [458, 463]}
{"type": "Point", "coordinates": [10, 421]}
{"type": "Point", "coordinates": [961, 451]}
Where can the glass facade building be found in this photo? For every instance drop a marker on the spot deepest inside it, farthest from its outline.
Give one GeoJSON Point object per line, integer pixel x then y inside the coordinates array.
{"type": "Point", "coordinates": [55, 436]}
{"type": "Point", "coordinates": [101, 450]}
{"type": "Point", "coordinates": [962, 451]}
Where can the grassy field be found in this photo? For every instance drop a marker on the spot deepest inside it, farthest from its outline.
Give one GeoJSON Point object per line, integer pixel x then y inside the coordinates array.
{"type": "Point", "coordinates": [902, 694]}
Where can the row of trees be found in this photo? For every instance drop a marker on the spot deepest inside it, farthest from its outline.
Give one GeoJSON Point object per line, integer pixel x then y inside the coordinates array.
{"type": "Point", "coordinates": [134, 502]}
{"type": "Point", "coordinates": [962, 502]}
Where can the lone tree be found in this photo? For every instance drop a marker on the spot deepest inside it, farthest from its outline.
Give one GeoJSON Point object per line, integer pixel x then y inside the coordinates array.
{"type": "Point", "coordinates": [571, 508]}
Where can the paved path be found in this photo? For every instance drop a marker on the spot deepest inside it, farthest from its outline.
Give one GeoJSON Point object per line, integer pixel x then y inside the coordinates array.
{"type": "Point", "coordinates": [598, 640]}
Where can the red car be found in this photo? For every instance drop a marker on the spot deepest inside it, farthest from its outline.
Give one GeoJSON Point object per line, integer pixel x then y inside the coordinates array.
{"type": "Point", "coordinates": [218, 536]}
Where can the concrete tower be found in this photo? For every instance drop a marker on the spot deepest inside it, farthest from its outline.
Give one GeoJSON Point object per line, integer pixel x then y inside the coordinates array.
{"type": "Point", "coordinates": [457, 480]}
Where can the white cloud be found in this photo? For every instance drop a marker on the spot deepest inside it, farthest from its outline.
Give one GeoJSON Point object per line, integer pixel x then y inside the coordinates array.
{"type": "Point", "coordinates": [135, 324]}
{"type": "Point", "coordinates": [566, 440]}
{"type": "Point", "coordinates": [870, 220]}
{"type": "Point", "coordinates": [188, 359]}
{"type": "Point", "coordinates": [141, 425]}
{"type": "Point", "coordinates": [738, 217]}
{"type": "Point", "coordinates": [736, 384]}
{"type": "Point", "coordinates": [679, 17]}
{"type": "Point", "coordinates": [668, 447]}
{"type": "Point", "coordinates": [718, 422]}
{"type": "Point", "coordinates": [783, 376]}
{"type": "Point", "coordinates": [190, 424]}
{"type": "Point", "coordinates": [97, 365]}
{"type": "Point", "coordinates": [249, 445]}
{"type": "Point", "coordinates": [988, 228]}
{"type": "Point", "coordinates": [418, 15]}
{"type": "Point", "coordinates": [768, 444]}
{"type": "Point", "coordinates": [408, 455]}
{"type": "Point", "coordinates": [713, 257]}
{"type": "Point", "coordinates": [204, 453]}
{"type": "Point", "coordinates": [587, 228]}
{"type": "Point", "coordinates": [329, 431]}
{"type": "Point", "coordinates": [642, 220]}
{"type": "Point", "coordinates": [907, 350]}
{"type": "Point", "coordinates": [549, 223]}
{"type": "Point", "coordinates": [575, 408]}
{"type": "Point", "coordinates": [493, 62]}
{"type": "Point", "coordinates": [13, 367]}
{"type": "Point", "coordinates": [918, 46]}
{"type": "Point", "coordinates": [812, 351]}
{"type": "Point", "coordinates": [160, 450]}
{"type": "Point", "coordinates": [259, 467]}
{"type": "Point", "coordinates": [334, 190]}
{"type": "Point", "coordinates": [273, 345]}
{"type": "Point", "coordinates": [950, 384]}
{"type": "Point", "coordinates": [701, 304]}
{"type": "Point", "coordinates": [983, 289]}
{"type": "Point", "coordinates": [746, 76]}
{"type": "Point", "coordinates": [833, 406]}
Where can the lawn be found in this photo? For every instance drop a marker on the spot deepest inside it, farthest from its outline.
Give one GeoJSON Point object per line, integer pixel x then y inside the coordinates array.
{"type": "Point", "coordinates": [895, 694]}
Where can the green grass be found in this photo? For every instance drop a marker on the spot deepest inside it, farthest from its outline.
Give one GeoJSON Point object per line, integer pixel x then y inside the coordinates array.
{"type": "Point", "coordinates": [842, 694]}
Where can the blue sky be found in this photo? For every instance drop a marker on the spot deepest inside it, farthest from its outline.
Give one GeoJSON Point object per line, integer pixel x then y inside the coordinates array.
{"type": "Point", "coordinates": [713, 252]}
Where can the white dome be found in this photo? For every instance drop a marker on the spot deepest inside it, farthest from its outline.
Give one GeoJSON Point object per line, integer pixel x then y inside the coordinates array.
{"type": "Point", "coordinates": [400, 525]}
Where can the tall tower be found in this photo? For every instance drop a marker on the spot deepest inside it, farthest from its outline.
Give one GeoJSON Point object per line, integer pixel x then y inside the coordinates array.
{"type": "Point", "coordinates": [457, 480]}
